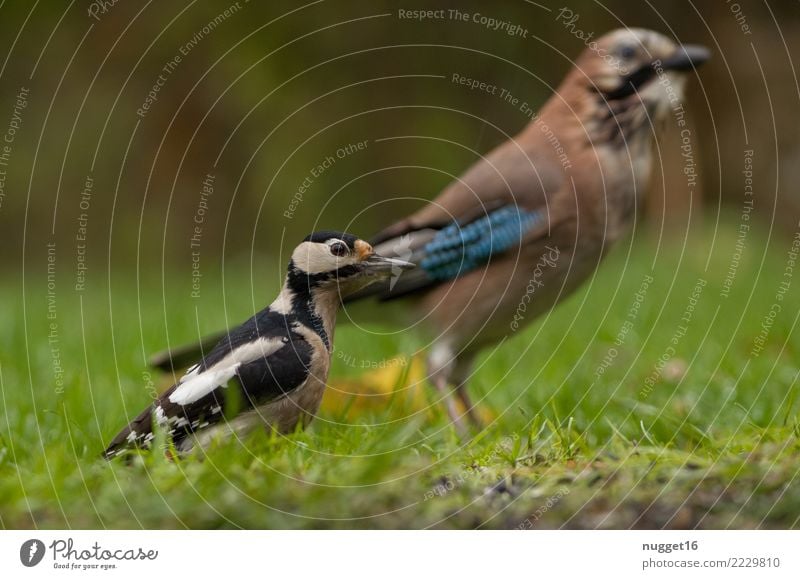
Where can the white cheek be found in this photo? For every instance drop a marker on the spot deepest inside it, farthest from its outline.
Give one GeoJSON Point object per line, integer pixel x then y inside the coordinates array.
{"type": "Point", "coordinates": [607, 82]}
{"type": "Point", "coordinates": [317, 258]}
{"type": "Point", "coordinates": [665, 92]}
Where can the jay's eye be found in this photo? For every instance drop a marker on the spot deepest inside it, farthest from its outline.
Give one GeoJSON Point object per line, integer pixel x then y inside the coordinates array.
{"type": "Point", "coordinates": [338, 249]}
{"type": "Point", "coordinates": [627, 52]}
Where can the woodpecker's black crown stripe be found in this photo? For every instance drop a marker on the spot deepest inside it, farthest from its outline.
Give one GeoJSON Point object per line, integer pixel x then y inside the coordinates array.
{"type": "Point", "coordinates": [323, 236]}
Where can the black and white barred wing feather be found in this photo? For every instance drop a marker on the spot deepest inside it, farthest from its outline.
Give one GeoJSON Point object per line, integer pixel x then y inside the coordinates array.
{"type": "Point", "coordinates": [262, 367]}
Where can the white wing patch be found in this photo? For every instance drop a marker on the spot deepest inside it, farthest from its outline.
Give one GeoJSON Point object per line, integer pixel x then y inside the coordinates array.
{"type": "Point", "coordinates": [311, 257]}
{"type": "Point", "coordinates": [195, 384]}
{"type": "Point", "coordinates": [194, 389]}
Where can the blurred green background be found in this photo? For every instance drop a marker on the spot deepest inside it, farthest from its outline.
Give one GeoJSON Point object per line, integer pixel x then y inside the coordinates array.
{"type": "Point", "coordinates": [267, 91]}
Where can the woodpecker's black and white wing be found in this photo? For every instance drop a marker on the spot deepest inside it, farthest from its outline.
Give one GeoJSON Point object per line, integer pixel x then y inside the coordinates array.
{"type": "Point", "coordinates": [263, 360]}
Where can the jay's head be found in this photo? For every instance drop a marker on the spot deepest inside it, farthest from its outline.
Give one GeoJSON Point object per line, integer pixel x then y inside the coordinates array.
{"type": "Point", "coordinates": [339, 261]}
{"type": "Point", "coordinates": [629, 66]}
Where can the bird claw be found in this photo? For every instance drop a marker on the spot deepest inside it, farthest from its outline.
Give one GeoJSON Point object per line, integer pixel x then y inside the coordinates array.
{"type": "Point", "coordinates": [465, 420]}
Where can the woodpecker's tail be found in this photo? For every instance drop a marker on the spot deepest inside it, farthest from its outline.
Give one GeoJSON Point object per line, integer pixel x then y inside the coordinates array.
{"type": "Point", "coordinates": [183, 356]}
{"type": "Point", "coordinates": [138, 432]}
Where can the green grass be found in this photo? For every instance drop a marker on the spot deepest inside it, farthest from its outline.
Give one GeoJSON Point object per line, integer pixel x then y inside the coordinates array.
{"type": "Point", "coordinates": [712, 443]}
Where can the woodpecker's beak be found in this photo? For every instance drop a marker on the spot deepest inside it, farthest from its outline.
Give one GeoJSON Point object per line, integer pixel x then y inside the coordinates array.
{"type": "Point", "coordinates": [377, 265]}
{"type": "Point", "coordinates": [686, 57]}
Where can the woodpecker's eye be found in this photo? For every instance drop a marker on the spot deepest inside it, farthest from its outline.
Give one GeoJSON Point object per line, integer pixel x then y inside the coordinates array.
{"type": "Point", "coordinates": [339, 249]}
{"type": "Point", "coordinates": [627, 52]}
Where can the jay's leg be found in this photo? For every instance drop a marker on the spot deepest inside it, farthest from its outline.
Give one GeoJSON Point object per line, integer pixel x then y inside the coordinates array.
{"type": "Point", "coordinates": [445, 370]}
{"type": "Point", "coordinates": [461, 374]}
{"type": "Point", "coordinates": [442, 386]}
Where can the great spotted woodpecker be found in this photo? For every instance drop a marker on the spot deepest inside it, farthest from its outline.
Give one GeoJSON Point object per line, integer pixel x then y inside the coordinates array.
{"type": "Point", "coordinates": [272, 369]}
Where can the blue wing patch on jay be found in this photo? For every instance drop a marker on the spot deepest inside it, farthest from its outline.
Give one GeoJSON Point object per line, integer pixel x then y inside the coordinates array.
{"type": "Point", "coordinates": [458, 248]}
{"type": "Point", "coordinates": [455, 249]}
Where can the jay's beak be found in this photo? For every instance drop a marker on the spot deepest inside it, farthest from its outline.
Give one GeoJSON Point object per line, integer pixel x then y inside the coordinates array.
{"type": "Point", "coordinates": [375, 264]}
{"type": "Point", "coordinates": [686, 57]}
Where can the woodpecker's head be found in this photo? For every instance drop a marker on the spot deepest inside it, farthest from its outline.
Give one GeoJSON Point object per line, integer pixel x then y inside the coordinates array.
{"type": "Point", "coordinates": [632, 66]}
{"type": "Point", "coordinates": [334, 260]}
